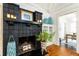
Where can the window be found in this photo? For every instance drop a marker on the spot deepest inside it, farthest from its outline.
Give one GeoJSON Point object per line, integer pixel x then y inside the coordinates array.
{"type": "Point", "coordinates": [67, 24]}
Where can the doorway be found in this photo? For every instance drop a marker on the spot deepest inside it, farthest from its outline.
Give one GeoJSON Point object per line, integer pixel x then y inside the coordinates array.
{"type": "Point", "coordinates": [67, 30]}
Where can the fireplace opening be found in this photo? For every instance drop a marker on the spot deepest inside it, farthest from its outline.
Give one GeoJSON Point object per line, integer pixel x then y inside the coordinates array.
{"type": "Point", "coordinates": [26, 44]}
{"type": "Point", "coordinates": [22, 40]}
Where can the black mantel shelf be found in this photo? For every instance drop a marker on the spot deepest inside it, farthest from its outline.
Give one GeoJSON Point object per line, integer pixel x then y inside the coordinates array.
{"type": "Point", "coordinates": [24, 21]}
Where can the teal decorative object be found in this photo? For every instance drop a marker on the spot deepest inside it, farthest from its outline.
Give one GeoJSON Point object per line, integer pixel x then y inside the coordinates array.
{"type": "Point", "coordinates": [48, 20]}
{"type": "Point", "coordinates": [11, 47]}
{"type": "Point", "coordinates": [45, 21]}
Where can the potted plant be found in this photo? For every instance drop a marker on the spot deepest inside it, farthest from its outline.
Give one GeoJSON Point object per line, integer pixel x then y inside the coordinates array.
{"type": "Point", "coordinates": [43, 37]}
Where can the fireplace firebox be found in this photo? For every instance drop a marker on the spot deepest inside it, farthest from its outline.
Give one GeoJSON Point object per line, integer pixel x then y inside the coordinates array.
{"type": "Point", "coordinates": [28, 45]}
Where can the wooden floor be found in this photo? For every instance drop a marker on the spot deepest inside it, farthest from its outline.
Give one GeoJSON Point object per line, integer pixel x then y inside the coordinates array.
{"type": "Point", "coordinates": [55, 50]}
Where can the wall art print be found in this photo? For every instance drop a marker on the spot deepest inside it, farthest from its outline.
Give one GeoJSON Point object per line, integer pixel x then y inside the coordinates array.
{"type": "Point", "coordinates": [26, 15]}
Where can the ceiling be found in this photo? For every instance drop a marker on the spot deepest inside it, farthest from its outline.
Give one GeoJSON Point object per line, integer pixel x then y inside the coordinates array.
{"type": "Point", "coordinates": [49, 7]}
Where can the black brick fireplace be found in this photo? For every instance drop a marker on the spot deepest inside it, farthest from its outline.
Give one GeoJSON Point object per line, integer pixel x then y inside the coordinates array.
{"type": "Point", "coordinates": [20, 32]}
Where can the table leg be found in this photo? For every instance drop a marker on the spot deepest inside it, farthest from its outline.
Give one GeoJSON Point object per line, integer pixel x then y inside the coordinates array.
{"type": "Point", "coordinates": [66, 45]}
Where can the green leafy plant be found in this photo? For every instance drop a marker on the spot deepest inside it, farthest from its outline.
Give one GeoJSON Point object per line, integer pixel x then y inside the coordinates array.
{"type": "Point", "coordinates": [45, 36]}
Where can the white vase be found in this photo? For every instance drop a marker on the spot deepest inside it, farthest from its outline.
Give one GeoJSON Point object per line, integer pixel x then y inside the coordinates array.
{"type": "Point", "coordinates": [43, 45]}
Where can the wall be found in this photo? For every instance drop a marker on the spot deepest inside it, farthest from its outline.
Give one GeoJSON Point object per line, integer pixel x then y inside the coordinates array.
{"type": "Point", "coordinates": [1, 30]}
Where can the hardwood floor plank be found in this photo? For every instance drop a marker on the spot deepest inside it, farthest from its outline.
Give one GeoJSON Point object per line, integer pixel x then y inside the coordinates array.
{"type": "Point", "coordinates": [55, 50]}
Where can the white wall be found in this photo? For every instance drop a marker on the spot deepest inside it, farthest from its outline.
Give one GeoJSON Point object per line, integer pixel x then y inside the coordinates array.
{"type": "Point", "coordinates": [1, 30]}
{"type": "Point", "coordinates": [77, 32]}
{"type": "Point", "coordinates": [67, 24]}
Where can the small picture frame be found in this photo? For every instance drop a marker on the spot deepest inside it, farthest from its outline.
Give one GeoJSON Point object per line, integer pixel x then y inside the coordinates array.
{"type": "Point", "coordinates": [26, 15]}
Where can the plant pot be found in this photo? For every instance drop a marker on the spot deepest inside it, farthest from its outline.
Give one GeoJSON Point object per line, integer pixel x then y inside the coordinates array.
{"type": "Point", "coordinates": [44, 50]}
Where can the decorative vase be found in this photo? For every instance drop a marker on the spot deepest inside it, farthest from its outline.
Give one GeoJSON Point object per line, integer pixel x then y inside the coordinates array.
{"type": "Point", "coordinates": [44, 50]}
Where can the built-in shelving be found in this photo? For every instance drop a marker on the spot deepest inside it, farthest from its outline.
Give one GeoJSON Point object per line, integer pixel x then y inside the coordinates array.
{"type": "Point", "coordinates": [20, 29]}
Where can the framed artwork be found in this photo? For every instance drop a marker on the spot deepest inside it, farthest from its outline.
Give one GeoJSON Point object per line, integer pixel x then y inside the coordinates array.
{"type": "Point", "coordinates": [26, 15]}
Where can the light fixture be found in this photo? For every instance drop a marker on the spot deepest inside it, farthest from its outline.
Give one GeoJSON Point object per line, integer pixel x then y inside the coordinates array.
{"type": "Point", "coordinates": [12, 16]}
{"type": "Point", "coordinates": [40, 21]}
{"type": "Point", "coordinates": [8, 15]}
{"type": "Point", "coordinates": [37, 20]}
